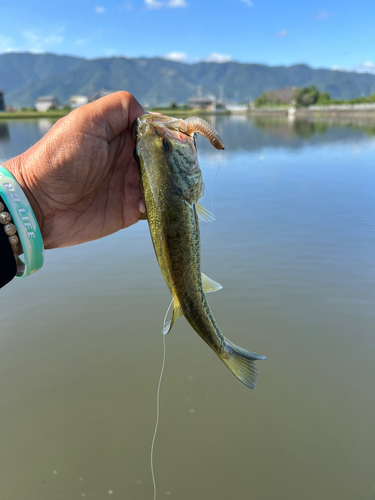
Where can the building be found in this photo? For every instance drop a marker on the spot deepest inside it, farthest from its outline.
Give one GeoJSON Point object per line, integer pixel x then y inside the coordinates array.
{"type": "Point", "coordinates": [78, 100]}
{"type": "Point", "coordinates": [101, 93]}
{"type": "Point", "coordinates": [2, 102]}
{"type": "Point", "coordinates": [208, 102]}
{"type": "Point", "coordinates": [47, 102]}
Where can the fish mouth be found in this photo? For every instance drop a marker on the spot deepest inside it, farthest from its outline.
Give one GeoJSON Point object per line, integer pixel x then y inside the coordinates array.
{"type": "Point", "coordinates": [134, 130]}
{"type": "Point", "coordinates": [171, 133]}
{"type": "Point", "coordinates": [161, 125]}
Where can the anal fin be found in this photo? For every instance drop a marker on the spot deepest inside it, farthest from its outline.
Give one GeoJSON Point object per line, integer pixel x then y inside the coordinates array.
{"type": "Point", "coordinates": [210, 285]}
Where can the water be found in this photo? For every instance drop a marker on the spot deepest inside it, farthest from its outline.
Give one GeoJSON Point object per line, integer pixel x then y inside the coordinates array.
{"type": "Point", "coordinates": [81, 348]}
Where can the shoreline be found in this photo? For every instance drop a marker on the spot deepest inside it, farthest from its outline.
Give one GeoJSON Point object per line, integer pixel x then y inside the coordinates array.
{"type": "Point", "coordinates": [11, 115]}
{"type": "Point", "coordinates": [300, 113]}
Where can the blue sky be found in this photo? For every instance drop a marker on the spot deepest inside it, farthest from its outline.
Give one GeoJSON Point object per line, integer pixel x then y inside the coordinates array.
{"type": "Point", "coordinates": [322, 33]}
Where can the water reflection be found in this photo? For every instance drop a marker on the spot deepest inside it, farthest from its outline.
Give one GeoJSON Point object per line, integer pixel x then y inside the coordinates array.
{"type": "Point", "coordinates": [308, 128]}
{"type": "Point", "coordinates": [44, 125]}
{"type": "Point", "coordinates": [290, 128]}
{"type": "Point", "coordinates": [252, 134]}
{"type": "Point", "coordinates": [240, 133]}
{"type": "Point", "coordinates": [4, 132]}
{"type": "Point", "coordinates": [19, 135]}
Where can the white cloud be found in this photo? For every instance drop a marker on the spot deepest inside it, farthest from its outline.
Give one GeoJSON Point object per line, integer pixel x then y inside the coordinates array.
{"type": "Point", "coordinates": [321, 15]}
{"type": "Point", "coordinates": [219, 58]}
{"type": "Point", "coordinates": [157, 4]}
{"type": "Point", "coordinates": [53, 39]}
{"type": "Point", "coordinates": [82, 41]}
{"type": "Point", "coordinates": [176, 3]}
{"type": "Point", "coordinates": [248, 2]}
{"type": "Point", "coordinates": [6, 44]}
{"type": "Point", "coordinates": [365, 67]}
{"type": "Point", "coordinates": [99, 9]}
{"type": "Point", "coordinates": [38, 43]}
{"type": "Point", "coordinates": [281, 34]}
{"type": "Point", "coordinates": [176, 56]}
{"type": "Point", "coordinates": [153, 4]}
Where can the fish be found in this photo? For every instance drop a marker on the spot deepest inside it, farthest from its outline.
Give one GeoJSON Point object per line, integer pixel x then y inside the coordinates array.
{"type": "Point", "coordinates": [172, 184]}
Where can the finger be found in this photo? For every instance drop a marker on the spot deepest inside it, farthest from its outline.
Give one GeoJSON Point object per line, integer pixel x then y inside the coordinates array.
{"type": "Point", "coordinates": [114, 113]}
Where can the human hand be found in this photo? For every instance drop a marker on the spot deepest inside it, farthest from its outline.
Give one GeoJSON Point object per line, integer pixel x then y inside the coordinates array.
{"type": "Point", "coordinates": [81, 178]}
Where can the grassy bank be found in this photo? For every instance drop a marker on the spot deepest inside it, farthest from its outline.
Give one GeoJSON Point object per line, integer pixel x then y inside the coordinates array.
{"type": "Point", "coordinates": [179, 113]}
{"type": "Point", "coordinates": [186, 112]}
{"type": "Point", "coordinates": [33, 114]}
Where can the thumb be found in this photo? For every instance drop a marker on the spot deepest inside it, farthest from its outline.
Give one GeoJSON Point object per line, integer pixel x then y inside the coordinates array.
{"type": "Point", "coordinates": [114, 113]}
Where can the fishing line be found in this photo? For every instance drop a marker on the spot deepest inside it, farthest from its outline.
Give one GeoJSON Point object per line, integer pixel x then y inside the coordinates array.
{"type": "Point", "coordinates": [164, 354]}
{"type": "Point", "coordinates": [157, 416]}
{"type": "Point", "coordinates": [212, 190]}
{"type": "Point", "coordinates": [213, 184]}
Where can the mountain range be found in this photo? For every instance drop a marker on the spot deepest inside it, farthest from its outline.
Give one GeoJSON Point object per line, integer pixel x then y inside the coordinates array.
{"type": "Point", "coordinates": [154, 81]}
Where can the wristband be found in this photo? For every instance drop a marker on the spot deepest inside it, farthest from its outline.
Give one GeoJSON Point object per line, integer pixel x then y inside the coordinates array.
{"type": "Point", "coordinates": [26, 223]}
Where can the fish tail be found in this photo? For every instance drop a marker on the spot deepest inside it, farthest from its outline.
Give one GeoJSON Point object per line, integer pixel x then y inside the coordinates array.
{"type": "Point", "coordinates": [241, 363]}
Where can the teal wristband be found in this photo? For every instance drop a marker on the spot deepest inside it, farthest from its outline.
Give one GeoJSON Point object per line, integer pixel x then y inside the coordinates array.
{"type": "Point", "coordinates": [25, 222]}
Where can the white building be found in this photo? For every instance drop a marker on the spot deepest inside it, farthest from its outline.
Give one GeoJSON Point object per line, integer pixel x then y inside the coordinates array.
{"type": "Point", "coordinates": [208, 102]}
{"type": "Point", "coordinates": [78, 100]}
{"type": "Point", "coordinates": [47, 102]}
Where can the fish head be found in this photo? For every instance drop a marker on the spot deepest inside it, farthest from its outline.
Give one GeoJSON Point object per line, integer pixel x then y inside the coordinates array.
{"type": "Point", "coordinates": [166, 155]}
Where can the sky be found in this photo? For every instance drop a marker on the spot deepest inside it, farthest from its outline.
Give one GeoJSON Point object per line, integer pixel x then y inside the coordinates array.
{"type": "Point", "coordinates": [334, 34]}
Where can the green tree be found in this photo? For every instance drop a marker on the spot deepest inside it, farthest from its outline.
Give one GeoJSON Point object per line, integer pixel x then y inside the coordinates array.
{"type": "Point", "coordinates": [324, 98]}
{"type": "Point", "coordinates": [306, 96]}
{"type": "Point", "coordinates": [261, 101]}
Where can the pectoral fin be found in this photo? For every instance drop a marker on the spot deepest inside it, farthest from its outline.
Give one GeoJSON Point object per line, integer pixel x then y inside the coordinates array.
{"type": "Point", "coordinates": [210, 285]}
{"type": "Point", "coordinates": [203, 214]}
{"type": "Point", "coordinates": [177, 313]}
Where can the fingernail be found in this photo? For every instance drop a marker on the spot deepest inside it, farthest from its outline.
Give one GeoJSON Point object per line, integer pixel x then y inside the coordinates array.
{"type": "Point", "coordinates": [141, 206]}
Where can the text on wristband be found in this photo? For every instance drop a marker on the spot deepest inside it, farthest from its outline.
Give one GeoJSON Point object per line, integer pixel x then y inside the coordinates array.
{"type": "Point", "coordinates": [14, 197]}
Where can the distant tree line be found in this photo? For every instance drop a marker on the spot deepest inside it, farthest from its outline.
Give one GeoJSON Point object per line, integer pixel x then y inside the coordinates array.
{"type": "Point", "coordinates": [304, 97]}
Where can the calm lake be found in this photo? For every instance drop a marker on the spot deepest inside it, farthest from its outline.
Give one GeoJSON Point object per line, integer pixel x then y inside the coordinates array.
{"type": "Point", "coordinates": [81, 347]}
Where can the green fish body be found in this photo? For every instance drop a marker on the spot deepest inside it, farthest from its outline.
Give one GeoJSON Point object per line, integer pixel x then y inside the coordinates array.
{"type": "Point", "coordinates": [172, 184]}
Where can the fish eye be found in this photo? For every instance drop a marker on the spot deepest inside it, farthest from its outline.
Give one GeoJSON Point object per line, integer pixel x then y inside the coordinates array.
{"type": "Point", "coordinates": [166, 145]}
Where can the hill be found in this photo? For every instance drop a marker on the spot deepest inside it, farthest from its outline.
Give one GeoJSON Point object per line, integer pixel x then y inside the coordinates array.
{"type": "Point", "coordinates": [156, 81]}
{"type": "Point", "coordinates": [18, 69]}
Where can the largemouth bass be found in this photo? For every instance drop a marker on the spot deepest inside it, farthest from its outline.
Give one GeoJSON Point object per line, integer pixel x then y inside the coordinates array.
{"type": "Point", "coordinates": [172, 184]}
